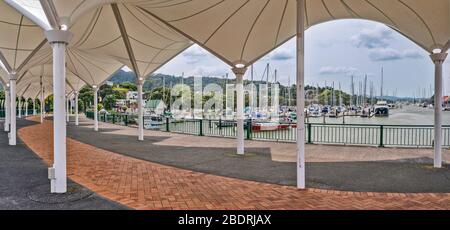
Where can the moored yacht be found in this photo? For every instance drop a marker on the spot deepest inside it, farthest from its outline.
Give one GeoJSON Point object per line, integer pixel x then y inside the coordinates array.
{"type": "Point", "coordinates": [381, 109]}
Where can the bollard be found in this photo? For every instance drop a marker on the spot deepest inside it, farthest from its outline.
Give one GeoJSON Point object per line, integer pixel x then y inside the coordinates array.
{"type": "Point", "coordinates": [249, 130]}
{"type": "Point", "coordinates": [167, 124]}
{"type": "Point", "coordinates": [381, 136]}
{"type": "Point", "coordinates": [201, 128]}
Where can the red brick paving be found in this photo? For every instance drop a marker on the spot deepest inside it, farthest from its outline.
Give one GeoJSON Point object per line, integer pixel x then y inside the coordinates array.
{"type": "Point", "coordinates": [145, 185]}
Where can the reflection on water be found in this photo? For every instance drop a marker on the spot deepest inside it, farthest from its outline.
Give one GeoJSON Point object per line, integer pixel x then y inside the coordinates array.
{"type": "Point", "coordinates": [408, 115]}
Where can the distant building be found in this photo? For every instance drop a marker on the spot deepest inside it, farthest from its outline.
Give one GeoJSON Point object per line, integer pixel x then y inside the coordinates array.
{"type": "Point", "coordinates": [109, 83]}
{"type": "Point", "coordinates": [132, 96]}
{"type": "Point", "coordinates": [121, 102]}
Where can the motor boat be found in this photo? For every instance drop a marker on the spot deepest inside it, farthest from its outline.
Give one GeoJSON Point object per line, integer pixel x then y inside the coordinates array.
{"type": "Point", "coordinates": [314, 111]}
{"type": "Point", "coordinates": [326, 109]}
{"type": "Point", "coordinates": [341, 109]}
{"type": "Point", "coordinates": [268, 126]}
{"type": "Point", "coordinates": [381, 109]}
{"type": "Point", "coordinates": [153, 121]}
{"type": "Point", "coordinates": [333, 113]}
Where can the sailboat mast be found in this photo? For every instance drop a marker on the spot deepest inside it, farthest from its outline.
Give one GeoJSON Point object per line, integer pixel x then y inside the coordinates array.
{"type": "Point", "coordinates": [365, 90]}
{"type": "Point", "coordinates": [276, 72]}
{"type": "Point", "coordinates": [382, 82]}
{"type": "Point", "coordinates": [352, 98]}
{"type": "Point", "coordinates": [164, 87]}
{"type": "Point", "coordinates": [318, 94]}
{"type": "Point", "coordinates": [333, 98]}
{"type": "Point", "coordinates": [252, 72]}
{"type": "Point", "coordinates": [182, 87]}
{"type": "Point", "coordinates": [289, 91]}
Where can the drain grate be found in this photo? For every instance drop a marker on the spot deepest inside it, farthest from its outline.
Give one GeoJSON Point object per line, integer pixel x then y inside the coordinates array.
{"type": "Point", "coordinates": [75, 192]}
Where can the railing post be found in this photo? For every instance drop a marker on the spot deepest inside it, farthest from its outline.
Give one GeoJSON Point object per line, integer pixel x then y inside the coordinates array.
{"type": "Point", "coordinates": [104, 117]}
{"type": "Point", "coordinates": [309, 127]}
{"type": "Point", "coordinates": [167, 124]}
{"type": "Point", "coordinates": [114, 118]}
{"type": "Point", "coordinates": [126, 120]}
{"type": "Point", "coordinates": [249, 129]}
{"type": "Point", "coordinates": [201, 127]}
{"type": "Point", "coordinates": [381, 136]}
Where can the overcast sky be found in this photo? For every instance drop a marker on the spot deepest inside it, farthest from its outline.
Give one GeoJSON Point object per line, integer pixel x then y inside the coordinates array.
{"type": "Point", "coordinates": [334, 51]}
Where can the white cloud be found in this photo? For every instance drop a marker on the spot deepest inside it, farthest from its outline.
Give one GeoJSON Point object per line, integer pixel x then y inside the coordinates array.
{"type": "Point", "coordinates": [282, 54]}
{"type": "Point", "coordinates": [378, 37]}
{"type": "Point", "coordinates": [210, 71]}
{"type": "Point", "coordinates": [331, 70]}
{"type": "Point", "coordinates": [389, 54]}
{"type": "Point", "coordinates": [377, 40]}
{"type": "Point", "coordinates": [195, 54]}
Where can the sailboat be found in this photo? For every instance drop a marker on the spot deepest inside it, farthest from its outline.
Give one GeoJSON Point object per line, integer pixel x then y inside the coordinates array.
{"type": "Point", "coordinates": [381, 109]}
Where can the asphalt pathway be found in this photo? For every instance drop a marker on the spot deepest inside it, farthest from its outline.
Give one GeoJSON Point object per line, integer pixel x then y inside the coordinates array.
{"type": "Point", "coordinates": [24, 184]}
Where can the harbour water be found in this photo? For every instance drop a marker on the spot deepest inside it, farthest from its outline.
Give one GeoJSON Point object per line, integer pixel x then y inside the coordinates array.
{"type": "Point", "coordinates": [408, 115]}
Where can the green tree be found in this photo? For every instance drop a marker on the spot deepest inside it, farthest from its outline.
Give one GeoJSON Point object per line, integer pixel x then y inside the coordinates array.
{"type": "Point", "coordinates": [86, 97]}
{"type": "Point", "coordinates": [160, 93]}
{"type": "Point", "coordinates": [129, 85]}
{"type": "Point", "coordinates": [109, 101]}
{"type": "Point", "coordinates": [105, 90]}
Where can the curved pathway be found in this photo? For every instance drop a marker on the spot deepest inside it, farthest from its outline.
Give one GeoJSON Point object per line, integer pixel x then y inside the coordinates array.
{"type": "Point", "coordinates": [145, 185]}
{"type": "Point", "coordinates": [23, 177]}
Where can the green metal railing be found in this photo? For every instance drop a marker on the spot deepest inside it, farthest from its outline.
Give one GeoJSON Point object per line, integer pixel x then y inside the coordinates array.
{"type": "Point", "coordinates": [120, 119]}
{"type": "Point", "coordinates": [30, 112]}
{"type": "Point", "coordinates": [338, 134]}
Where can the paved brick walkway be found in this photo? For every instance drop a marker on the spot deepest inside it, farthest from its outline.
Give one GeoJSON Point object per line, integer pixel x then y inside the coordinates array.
{"type": "Point", "coordinates": [144, 185]}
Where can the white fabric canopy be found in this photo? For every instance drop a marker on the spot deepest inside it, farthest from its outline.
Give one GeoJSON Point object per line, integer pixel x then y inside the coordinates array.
{"type": "Point", "coordinates": [145, 34]}
{"type": "Point", "coordinates": [3, 77]}
{"type": "Point", "coordinates": [105, 39]}
{"type": "Point", "coordinates": [242, 31]}
{"type": "Point", "coordinates": [151, 43]}
{"type": "Point", "coordinates": [33, 78]}
{"type": "Point", "coordinates": [19, 37]}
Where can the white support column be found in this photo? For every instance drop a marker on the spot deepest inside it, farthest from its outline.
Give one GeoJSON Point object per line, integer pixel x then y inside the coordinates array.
{"type": "Point", "coordinates": [140, 111]}
{"type": "Point", "coordinates": [59, 40]}
{"type": "Point", "coordinates": [239, 72]}
{"type": "Point", "coordinates": [34, 106]}
{"type": "Point", "coordinates": [13, 92]}
{"type": "Point", "coordinates": [95, 107]}
{"type": "Point", "coordinates": [20, 107]}
{"type": "Point", "coordinates": [77, 122]}
{"type": "Point", "coordinates": [67, 109]}
{"type": "Point", "coordinates": [26, 107]}
{"type": "Point", "coordinates": [42, 103]}
{"type": "Point", "coordinates": [71, 104]}
{"type": "Point", "coordinates": [7, 109]}
{"type": "Point", "coordinates": [301, 94]}
{"type": "Point", "coordinates": [438, 60]}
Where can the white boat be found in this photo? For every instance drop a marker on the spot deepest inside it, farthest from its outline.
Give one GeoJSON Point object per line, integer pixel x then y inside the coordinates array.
{"type": "Point", "coordinates": [333, 113]}
{"type": "Point", "coordinates": [153, 121]}
{"type": "Point", "coordinates": [381, 109]}
{"type": "Point", "coordinates": [268, 126]}
{"type": "Point", "coordinates": [314, 111]}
